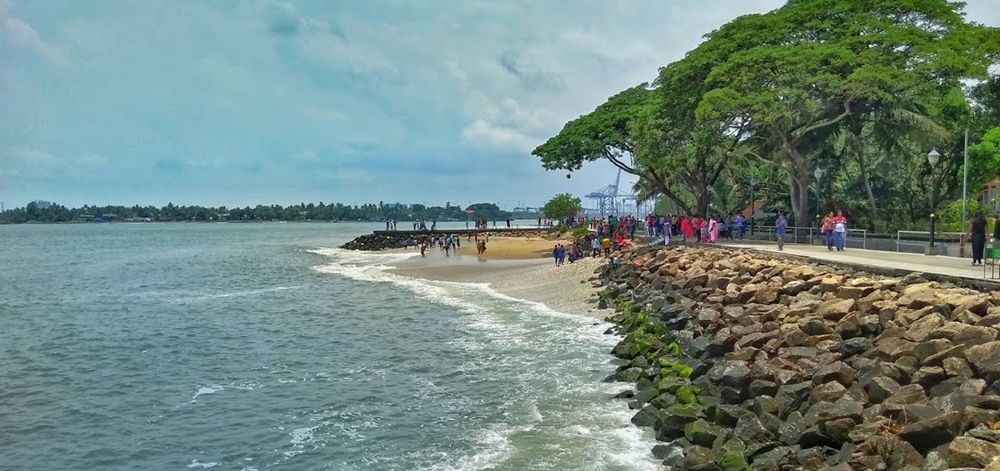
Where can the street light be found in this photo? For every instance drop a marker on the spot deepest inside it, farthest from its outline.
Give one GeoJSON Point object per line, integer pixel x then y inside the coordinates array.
{"type": "Point", "coordinates": [932, 158]}
{"type": "Point", "coordinates": [753, 205]}
{"type": "Point", "coordinates": [818, 173]}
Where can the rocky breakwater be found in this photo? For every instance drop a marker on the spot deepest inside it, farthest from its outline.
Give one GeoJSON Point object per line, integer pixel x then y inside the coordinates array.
{"type": "Point", "coordinates": [385, 241]}
{"type": "Point", "coordinates": [378, 242]}
{"type": "Point", "coordinates": [743, 361]}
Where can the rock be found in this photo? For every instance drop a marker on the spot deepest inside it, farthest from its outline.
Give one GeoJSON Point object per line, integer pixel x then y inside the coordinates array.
{"type": "Point", "coordinates": [701, 433]}
{"type": "Point", "coordinates": [923, 327]}
{"type": "Point", "coordinates": [790, 431]}
{"type": "Point", "coordinates": [991, 320]}
{"type": "Point", "coordinates": [814, 326]}
{"type": "Point", "coordinates": [854, 346]}
{"type": "Point", "coordinates": [904, 457]}
{"type": "Point", "coordinates": [835, 309]}
{"type": "Point", "coordinates": [791, 396]}
{"type": "Point", "coordinates": [909, 394]}
{"type": "Point", "coordinates": [880, 388]}
{"type": "Point", "coordinates": [646, 417]}
{"type": "Point", "coordinates": [670, 422]}
{"type": "Point", "coordinates": [828, 392]}
{"type": "Point", "coordinates": [931, 433]}
{"type": "Point", "coordinates": [985, 359]}
{"type": "Point", "coordinates": [948, 331]}
{"type": "Point", "coordinates": [699, 458]}
{"type": "Point", "coordinates": [983, 432]}
{"type": "Point", "coordinates": [957, 367]}
{"type": "Point", "coordinates": [975, 335]}
{"type": "Point", "coordinates": [837, 430]}
{"type": "Point", "coordinates": [752, 432]}
{"type": "Point", "coordinates": [626, 394]}
{"type": "Point", "coordinates": [837, 371]}
{"type": "Point", "coordinates": [971, 452]}
{"type": "Point", "coordinates": [929, 376]}
{"type": "Point", "coordinates": [662, 451]}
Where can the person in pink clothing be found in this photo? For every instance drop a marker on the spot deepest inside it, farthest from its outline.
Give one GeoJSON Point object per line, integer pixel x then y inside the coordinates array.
{"type": "Point", "coordinates": [713, 230]}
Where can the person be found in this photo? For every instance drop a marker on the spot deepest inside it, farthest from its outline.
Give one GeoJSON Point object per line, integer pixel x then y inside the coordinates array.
{"type": "Point", "coordinates": [606, 245]}
{"type": "Point", "coordinates": [713, 229]}
{"type": "Point", "coordinates": [741, 225]}
{"type": "Point", "coordinates": [555, 253]}
{"type": "Point", "coordinates": [665, 229]}
{"type": "Point", "coordinates": [828, 230]}
{"type": "Point", "coordinates": [780, 224]}
{"type": "Point", "coordinates": [977, 231]}
{"type": "Point", "coordinates": [595, 247]}
{"type": "Point", "coordinates": [839, 230]}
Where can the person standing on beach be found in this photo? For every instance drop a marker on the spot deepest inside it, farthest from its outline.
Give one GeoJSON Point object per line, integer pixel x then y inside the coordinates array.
{"type": "Point", "coordinates": [595, 247]}
{"type": "Point", "coordinates": [606, 245]}
{"type": "Point", "coordinates": [780, 224]}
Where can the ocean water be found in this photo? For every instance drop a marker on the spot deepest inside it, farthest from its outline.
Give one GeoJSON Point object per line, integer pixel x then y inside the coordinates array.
{"type": "Point", "coordinates": [262, 346]}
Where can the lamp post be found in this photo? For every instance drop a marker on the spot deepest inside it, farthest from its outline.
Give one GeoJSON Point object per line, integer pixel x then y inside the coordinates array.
{"type": "Point", "coordinates": [932, 158]}
{"type": "Point", "coordinates": [753, 205]}
{"type": "Point", "coordinates": [818, 173]}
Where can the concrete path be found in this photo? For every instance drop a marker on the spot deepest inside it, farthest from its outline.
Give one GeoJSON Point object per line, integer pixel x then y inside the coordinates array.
{"type": "Point", "coordinates": [936, 264]}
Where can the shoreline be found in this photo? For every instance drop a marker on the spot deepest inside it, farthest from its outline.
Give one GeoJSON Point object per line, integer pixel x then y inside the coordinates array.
{"type": "Point", "coordinates": [517, 267]}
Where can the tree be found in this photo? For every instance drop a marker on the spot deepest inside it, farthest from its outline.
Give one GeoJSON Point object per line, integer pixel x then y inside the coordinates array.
{"type": "Point", "coordinates": [562, 206]}
{"type": "Point", "coordinates": [607, 133]}
{"type": "Point", "coordinates": [809, 67]}
{"type": "Point", "coordinates": [984, 159]}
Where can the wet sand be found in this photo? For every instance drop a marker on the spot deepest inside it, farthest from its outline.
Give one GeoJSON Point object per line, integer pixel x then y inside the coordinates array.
{"type": "Point", "coordinates": [519, 268]}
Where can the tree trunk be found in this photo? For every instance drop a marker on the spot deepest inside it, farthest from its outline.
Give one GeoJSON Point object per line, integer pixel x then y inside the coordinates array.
{"type": "Point", "coordinates": [859, 152]}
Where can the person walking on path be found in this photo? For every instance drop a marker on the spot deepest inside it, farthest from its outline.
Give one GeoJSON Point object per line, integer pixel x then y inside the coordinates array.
{"type": "Point", "coordinates": [827, 229]}
{"type": "Point", "coordinates": [713, 229]}
{"type": "Point", "coordinates": [780, 224]}
{"type": "Point", "coordinates": [977, 231]}
{"type": "Point", "coordinates": [840, 230]}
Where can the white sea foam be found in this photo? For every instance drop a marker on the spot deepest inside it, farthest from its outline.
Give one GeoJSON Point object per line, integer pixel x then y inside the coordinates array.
{"type": "Point", "coordinates": [498, 323]}
{"type": "Point", "coordinates": [198, 464]}
{"type": "Point", "coordinates": [206, 390]}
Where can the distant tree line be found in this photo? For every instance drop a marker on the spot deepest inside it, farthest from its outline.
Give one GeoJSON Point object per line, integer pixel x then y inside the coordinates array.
{"type": "Point", "coordinates": [47, 212]}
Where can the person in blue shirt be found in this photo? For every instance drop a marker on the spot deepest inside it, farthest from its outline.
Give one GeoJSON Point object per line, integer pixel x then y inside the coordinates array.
{"type": "Point", "coordinates": [780, 225]}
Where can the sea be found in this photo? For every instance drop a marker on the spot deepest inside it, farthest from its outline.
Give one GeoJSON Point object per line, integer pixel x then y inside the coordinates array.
{"type": "Point", "coordinates": [263, 346]}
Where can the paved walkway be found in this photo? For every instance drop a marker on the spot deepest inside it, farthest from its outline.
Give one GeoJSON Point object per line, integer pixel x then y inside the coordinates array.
{"type": "Point", "coordinates": [937, 264]}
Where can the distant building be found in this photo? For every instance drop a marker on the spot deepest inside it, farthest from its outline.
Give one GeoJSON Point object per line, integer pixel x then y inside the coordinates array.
{"type": "Point", "coordinates": [991, 196]}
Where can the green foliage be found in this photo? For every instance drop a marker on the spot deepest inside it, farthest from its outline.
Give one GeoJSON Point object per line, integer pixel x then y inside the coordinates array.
{"type": "Point", "coordinates": [562, 206]}
{"type": "Point", "coordinates": [860, 89]}
{"type": "Point", "coordinates": [984, 158]}
{"type": "Point", "coordinates": [562, 228]}
{"type": "Point", "coordinates": [579, 232]}
{"type": "Point", "coordinates": [951, 216]}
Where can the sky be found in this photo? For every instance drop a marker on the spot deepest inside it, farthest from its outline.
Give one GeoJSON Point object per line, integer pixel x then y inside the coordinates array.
{"type": "Point", "coordinates": [243, 102]}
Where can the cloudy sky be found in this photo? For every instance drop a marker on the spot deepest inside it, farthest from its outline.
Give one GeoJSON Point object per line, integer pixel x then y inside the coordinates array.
{"type": "Point", "coordinates": [237, 102]}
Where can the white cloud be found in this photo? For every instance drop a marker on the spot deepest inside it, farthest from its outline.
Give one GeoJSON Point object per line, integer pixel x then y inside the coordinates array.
{"type": "Point", "coordinates": [271, 90]}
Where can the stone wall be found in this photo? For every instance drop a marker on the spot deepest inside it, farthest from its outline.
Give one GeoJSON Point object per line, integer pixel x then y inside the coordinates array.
{"type": "Point", "coordinates": [744, 360]}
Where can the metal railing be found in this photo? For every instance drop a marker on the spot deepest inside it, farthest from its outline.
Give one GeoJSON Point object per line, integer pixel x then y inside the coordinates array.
{"type": "Point", "coordinates": [855, 238]}
{"type": "Point", "coordinates": [906, 241]}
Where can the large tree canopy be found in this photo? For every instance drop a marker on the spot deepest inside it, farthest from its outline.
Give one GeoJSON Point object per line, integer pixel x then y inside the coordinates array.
{"type": "Point", "coordinates": [860, 90]}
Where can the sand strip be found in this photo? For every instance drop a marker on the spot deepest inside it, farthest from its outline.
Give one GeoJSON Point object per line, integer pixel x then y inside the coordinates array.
{"type": "Point", "coordinates": [519, 268]}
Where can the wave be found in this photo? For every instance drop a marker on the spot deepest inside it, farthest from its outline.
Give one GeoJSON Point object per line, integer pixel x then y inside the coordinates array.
{"type": "Point", "coordinates": [495, 325]}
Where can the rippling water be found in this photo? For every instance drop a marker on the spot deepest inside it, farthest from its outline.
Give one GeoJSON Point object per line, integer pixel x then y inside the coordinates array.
{"type": "Point", "coordinates": [261, 346]}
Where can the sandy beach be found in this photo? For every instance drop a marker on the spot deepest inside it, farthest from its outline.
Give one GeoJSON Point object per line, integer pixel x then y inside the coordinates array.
{"type": "Point", "coordinates": [520, 268]}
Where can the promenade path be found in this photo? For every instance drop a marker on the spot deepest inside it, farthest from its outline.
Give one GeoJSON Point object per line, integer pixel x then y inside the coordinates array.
{"type": "Point", "coordinates": [879, 260]}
